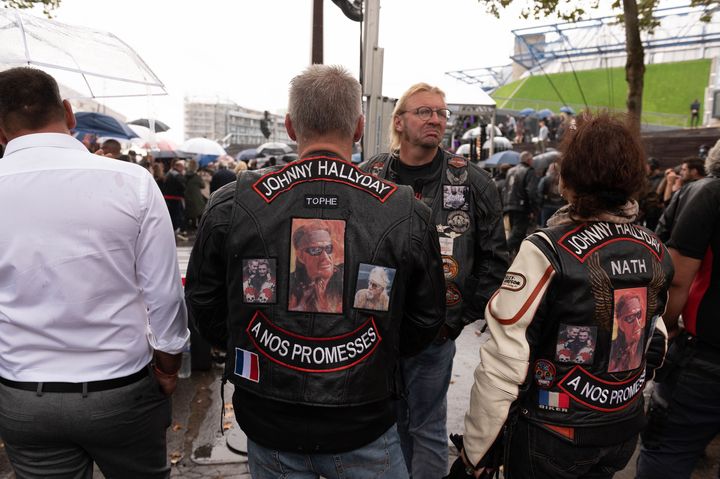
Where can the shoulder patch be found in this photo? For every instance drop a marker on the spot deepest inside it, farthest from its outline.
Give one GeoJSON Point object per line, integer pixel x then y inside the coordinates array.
{"type": "Point", "coordinates": [321, 168]}
{"type": "Point", "coordinates": [457, 162]}
{"type": "Point", "coordinates": [589, 237]}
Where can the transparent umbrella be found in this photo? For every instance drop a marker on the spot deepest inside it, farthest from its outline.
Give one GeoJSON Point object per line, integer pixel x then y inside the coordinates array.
{"type": "Point", "coordinates": [202, 146]}
{"type": "Point", "coordinates": [93, 63]}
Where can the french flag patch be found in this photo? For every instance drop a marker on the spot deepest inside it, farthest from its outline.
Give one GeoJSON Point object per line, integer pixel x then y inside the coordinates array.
{"type": "Point", "coordinates": [247, 365]}
{"type": "Point", "coordinates": [553, 401]}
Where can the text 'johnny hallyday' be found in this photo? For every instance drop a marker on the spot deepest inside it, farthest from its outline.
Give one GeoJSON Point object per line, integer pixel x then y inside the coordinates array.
{"type": "Point", "coordinates": [321, 168]}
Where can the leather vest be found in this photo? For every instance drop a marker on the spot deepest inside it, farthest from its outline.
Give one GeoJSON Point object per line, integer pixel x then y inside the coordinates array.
{"type": "Point", "coordinates": [310, 238]}
{"type": "Point", "coordinates": [590, 339]}
{"type": "Point", "coordinates": [451, 195]}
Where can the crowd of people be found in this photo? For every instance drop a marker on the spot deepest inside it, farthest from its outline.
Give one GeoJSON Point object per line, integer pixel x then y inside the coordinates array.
{"type": "Point", "coordinates": [338, 290]}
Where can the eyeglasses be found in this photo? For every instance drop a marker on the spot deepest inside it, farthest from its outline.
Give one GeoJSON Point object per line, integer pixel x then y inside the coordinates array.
{"type": "Point", "coordinates": [631, 318]}
{"type": "Point", "coordinates": [318, 250]}
{"type": "Point", "coordinates": [425, 112]}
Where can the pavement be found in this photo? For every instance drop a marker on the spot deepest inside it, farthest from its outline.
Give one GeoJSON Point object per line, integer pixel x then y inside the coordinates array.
{"type": "Point", "coordinates": [198, 449]}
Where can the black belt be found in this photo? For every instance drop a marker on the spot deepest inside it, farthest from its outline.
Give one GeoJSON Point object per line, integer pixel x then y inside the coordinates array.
{"type": "Point", "coordinates": [92, 386]}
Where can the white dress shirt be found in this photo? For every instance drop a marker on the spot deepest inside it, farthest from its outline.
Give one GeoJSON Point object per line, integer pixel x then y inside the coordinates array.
{"type": "Point", "coordinates": [89, 282]}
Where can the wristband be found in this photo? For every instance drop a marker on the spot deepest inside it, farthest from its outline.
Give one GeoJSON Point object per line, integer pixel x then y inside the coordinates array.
{"type": "Point", "coordinates": [163, 375]}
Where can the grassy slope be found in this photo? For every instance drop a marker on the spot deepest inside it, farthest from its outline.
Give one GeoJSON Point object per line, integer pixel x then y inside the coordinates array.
{"type": "Point", "coordinates": [669, 89]}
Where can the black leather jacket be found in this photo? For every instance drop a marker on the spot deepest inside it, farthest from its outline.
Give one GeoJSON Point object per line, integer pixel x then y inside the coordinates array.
{"type": "Point", "coordinates": [300, 339]}
{"type": "Point", "coordinates": [610, 284]}
{"type": "Point", "coordinates": [472, 237]}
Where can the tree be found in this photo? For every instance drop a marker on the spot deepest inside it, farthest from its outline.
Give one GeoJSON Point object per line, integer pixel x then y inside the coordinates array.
{"type": "Point", "coordinates": [637, 16]}
{"type": "Point", "coordinates": [48, 5]}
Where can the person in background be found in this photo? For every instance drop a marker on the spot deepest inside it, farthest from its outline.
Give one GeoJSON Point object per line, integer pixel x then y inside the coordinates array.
{"type": "Point", "coordinates": [519, 196]}
{"type": "Point", "coordinates": [580, 417]}
{"type": "Point", "coordinates": [543, 136]}
{"type": "Point", "coordinates": [112, 149]}
{"type": "Point", "coordinates": [691, 170]}
{"type": "Point", "coordinates": [240, 167]}
{"type": "Point", "coordinates": [174, 193]}
{"type": "Point", "coordinates": [694, 113]}
{"type": "Point", "coordinates": [549, 198]}
{"type": "Point", "coordinates": [222, 176]}
{"type": "Point", "coordinates": [651, 206]}
{"type": "Point", "coordinates": [194, 200]}
{"type": "Point", "coordinates": [467, 215]}
{"type": "Point", "coordinates": [87, 367]}
{"type": "Point", "coordinates": [683, 416]}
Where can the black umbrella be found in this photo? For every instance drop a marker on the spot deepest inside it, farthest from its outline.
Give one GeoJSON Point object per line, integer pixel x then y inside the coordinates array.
{"type": "Point", "coordinates": [159, 125]}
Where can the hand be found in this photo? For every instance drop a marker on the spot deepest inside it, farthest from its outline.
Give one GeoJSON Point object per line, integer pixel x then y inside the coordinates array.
{"type": "Point", "coordinates": [167, 382]}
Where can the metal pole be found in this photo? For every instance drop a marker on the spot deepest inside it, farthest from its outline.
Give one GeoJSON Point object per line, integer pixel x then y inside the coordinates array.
{"type": "Point", "coordinates": [372, 78]}
{"type": "Point", "coordinates": [317, 35]}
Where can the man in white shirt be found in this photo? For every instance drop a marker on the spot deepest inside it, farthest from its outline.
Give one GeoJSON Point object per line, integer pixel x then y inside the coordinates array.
{"type": "Point", "coordinates": [90, 295]}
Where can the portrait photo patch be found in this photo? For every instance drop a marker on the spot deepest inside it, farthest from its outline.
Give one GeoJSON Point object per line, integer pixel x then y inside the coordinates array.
{"type": "Point", "coordinates": [628, 337]}
{"type": "Point", "coordinates": [317, 260]}
{"type": "Point", "coordinates": [259, 281]}
{"type": "Point", "coordinates": [374, 286]}
{"type": "Point", "coordinates": [455, 197]}
{"type": "Point", "coordinates": [576, 344]}
{"type": "Point", "coordinates": [450, 267]}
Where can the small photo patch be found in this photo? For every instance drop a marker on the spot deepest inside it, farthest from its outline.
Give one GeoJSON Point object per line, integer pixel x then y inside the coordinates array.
{"type": "Point", "coordinates": [317, 260]}
{"type": "Point", "coordinates": [544, 373]}
{"type": "Point", "coordinates": [455, 197]}
{"type": "Point", "coordinates": [259, 281]}
{"type": "Point", "coordinates": [247, 365]}
{"type": "Point", "coordinates": [452, 294]}
{"type": "Point", "coordinates": [377, 168]}
{"type": "Point", "coordinates": [459, 221]}
{"type": "Point", "coordinates": [450, 267]}
{"type": "Point", "coordinates": [553, 401]}
{"type": "Point", "coordinates": [576, 344]}
{"type": "Point", "coordinates": [446, 246]}
{"type": "Point", "coordinates": [374, 287]}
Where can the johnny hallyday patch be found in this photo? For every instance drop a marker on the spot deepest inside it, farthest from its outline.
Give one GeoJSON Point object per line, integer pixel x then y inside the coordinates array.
{"type": "Point", "coordinates": [321, 168]}
{"type": "Point", "coordinates": [313, 354]}
{"type": "Point", "coordinates": [588, 237]}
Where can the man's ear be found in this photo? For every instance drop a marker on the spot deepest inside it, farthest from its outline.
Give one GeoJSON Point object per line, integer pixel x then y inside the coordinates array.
{"type": "Point", "coordinates": [359, 129]}
{"type": "Point", "coordinates": [70, 120]}
{"type": "Point", "coordinates": [397, 123]}
{"type": "Point", "coordinates": [290, 129]}
{"type": "Point", "coordinates": [3, 137]}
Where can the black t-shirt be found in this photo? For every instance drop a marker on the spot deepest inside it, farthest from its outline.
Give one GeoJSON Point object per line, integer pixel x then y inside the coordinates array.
{"type": "Point", "coordinates": [417, 176]}
{"type": "Point", "coordinates": [697, 235]}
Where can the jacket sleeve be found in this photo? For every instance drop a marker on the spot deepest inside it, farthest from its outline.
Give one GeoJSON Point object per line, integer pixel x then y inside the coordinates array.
{"type": "Point", "coordinates": [505, 357]}
{"type": "Point", "coordinates": [490, 252]}
{"type": "Point", "coordinates": [205, 287]}
{"type": "Point", "coordinates": [531, 187]}
{"type": "Point", "coordinates": [424, 310]}
{"type": "Point", "coordinates": [657, 348]}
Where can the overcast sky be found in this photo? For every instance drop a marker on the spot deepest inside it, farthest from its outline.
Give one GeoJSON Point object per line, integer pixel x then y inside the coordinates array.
{"type": "Point", "coordinates": [247, 51]}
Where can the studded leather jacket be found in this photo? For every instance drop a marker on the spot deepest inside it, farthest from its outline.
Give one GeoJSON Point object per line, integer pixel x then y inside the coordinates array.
{"type": "Point", "coordinates": [576, 334]}
{"type": "Point", "coordinates": [319, 233]}
{"type": "Point", "coordinates": [466, 210]}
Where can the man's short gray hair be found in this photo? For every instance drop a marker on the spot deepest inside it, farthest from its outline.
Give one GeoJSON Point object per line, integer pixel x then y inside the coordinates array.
{"type": "Point", "coordinates": [324, 99]}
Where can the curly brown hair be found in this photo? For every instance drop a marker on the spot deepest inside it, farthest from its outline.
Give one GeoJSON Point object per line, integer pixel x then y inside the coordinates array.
{"type": "Point", "coordinates": [602, 161]}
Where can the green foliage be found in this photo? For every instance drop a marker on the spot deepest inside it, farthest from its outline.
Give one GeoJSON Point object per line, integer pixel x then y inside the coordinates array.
{"type": "Point", "coordinates": [669, 90]}
{"type": "Point", "coordinates": [48, 5]}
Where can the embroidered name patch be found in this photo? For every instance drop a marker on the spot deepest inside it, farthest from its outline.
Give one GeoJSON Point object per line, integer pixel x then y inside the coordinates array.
{"type": "Point", "coordinates": [313, 354]}
{"type": "Point", "coordinates": [320, 201]}
{"type": "Point", "coordinates": [601, 395]}
{"type": "Point", "coordinates": [321, 168]}
{"type": "Point", "coordinates": [589, 237]}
